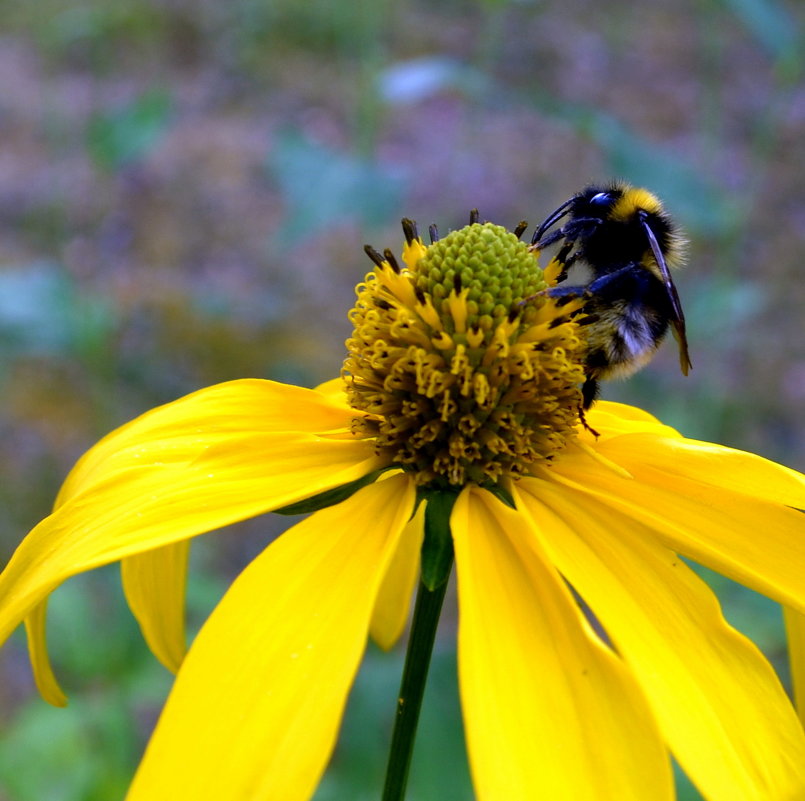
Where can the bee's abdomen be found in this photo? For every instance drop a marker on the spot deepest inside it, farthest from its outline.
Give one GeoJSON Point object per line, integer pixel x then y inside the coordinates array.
{"type": "Point", "coordinates": [632, 319]}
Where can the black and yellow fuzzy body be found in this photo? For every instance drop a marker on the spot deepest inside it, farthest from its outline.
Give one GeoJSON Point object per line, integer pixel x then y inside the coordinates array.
{"type": "Point", "coordinates": [630, 244]}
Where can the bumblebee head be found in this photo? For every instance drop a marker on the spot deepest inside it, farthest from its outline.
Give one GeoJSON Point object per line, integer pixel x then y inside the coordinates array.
{"type": "Point", "coordinates": [618, 203]}
{"type": "Point", "coordinates": [597, 202]}
{"type": "Point", "coordinates": [615, 224]}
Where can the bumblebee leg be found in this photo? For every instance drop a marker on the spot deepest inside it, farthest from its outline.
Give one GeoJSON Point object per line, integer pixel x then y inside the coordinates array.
{"type": "Point", "coordinates": [563, 294]}
{"type": "Point", "coordinates": [568, 292]}
{"type": "Point", "coordinates": [589, 392]}
{"type": "Point", "coordinates": [583, 421]}
{"type": "Point", "coordinates": [633, 270]}
{"type": "Point", "coordinates": [546, 241]}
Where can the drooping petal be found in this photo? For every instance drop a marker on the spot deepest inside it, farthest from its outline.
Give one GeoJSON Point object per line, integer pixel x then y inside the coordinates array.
{"type": "Point", "coordinates": [718, 701]}
{"type": "Point", "coordinates": [549, 711]}
{"type": "Point", "coordinates": [795, 631]}
{"type": "Point", "coordinates": [154, 584]}
{"type": "Point", "coordinates": [750, 539]}
{"type": "Point", "coordinates": [394, 598]}
{"type": "Point", "coordinates": [44, 676]}
{"type": "Point", "coordinates": [179, 471]}
{"type": "Point", "coordinates": [256, 706]}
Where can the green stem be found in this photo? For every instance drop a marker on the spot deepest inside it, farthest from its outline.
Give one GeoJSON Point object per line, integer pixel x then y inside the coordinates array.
{"type": "Point", "coordinates": [412, 687]}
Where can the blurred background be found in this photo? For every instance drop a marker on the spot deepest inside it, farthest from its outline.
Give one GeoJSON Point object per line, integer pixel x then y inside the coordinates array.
{"type": "Point", "coordinates": [185, 189]}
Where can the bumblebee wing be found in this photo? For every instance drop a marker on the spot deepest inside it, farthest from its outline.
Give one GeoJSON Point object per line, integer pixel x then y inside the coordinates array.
{"type": "Point", "coordinates": [678, 330]}
{"type": "Point", "coordinates": [550, 221]}
{"type": "Point", "coordinates": [678, 320]}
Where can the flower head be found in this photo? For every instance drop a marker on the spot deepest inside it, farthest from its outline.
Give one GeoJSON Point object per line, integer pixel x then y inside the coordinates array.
{"type": "Point", "coordinates": [467, 374]}
{"type": "Point", "coordinates": [462, 379]}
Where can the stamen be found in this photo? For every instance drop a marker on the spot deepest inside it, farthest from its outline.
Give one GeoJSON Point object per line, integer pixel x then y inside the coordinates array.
{"type": "Point", "coordinates": [468, 370]}
{"type": "Point", "coordinates": [392, 260]}
{"type": "Point", "coordinates": [409, 230]}
{"type": "Point", "coordinates": [373, 255]}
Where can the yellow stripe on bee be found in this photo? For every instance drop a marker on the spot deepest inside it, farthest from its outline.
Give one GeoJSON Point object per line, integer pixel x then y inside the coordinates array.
{"type": "Point", "coordinates": [632, 200]}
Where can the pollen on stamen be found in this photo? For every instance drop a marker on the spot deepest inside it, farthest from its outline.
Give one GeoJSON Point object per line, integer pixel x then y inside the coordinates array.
{"type": "Point", "coordinates": [464, 369]}
{"type": "Point", "coordinates": [520, 228]}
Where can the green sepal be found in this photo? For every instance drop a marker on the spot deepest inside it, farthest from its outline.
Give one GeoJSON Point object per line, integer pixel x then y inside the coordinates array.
{"type": "Point", "coordinates": [502, 494]}
{"type": "Point", "coordinates": [437, 546]}
{"type": "Point", "coordinates": [331, 497]}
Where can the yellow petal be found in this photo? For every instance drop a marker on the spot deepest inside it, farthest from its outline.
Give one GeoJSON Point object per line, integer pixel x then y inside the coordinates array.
{"type": "Point", "coordinates": [615, 419]}
{"type": "Point", "coordinates": [394, 599]}
{"type": "Point", "coordinates": [38, 654]}
{"type": "Point", "coordinates": [182, 470]}
{"type": "Point", "coordinates": [154, 584]}
{"type": "Point", "coordinates": [256, 706]}
{"type": "Point", "coordinates": [334, 390]}
{"type": "Point", "coordinates": [549, 711]}
{"type": "Point", "coordinates": [711, 465]}
{"type": "Point", "coordinates": [179, 432]}
{"type": "Point", "coordinates": [718, 701]}
{"type": "Point", "coordinates": [795, 630]}
{"type": "Point", "coordinates": [716, 527]}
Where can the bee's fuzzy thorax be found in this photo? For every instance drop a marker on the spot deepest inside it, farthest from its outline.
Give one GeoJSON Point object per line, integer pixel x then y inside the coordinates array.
{"type": "Point", "coordinates": [634, 199]}
{"type": "Point", "coordinates": [629, 201]}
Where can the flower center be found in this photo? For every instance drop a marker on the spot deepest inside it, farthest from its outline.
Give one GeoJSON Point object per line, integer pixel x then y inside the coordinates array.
{"type": "Point", "coordinates": [466, 372]}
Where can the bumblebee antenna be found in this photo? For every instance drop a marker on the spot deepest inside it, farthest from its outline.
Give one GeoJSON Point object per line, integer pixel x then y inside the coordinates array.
{"type": "Point", "coordinates": [678, 321]}
{"type": "Point", "coordinates": [551, 221]}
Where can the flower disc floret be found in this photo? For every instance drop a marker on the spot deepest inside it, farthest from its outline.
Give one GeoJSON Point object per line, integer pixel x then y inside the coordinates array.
{"type": "Point", "coordinates": [467, 372]}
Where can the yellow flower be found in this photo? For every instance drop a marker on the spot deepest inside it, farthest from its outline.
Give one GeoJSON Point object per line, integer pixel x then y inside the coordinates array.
{"type": "Point", "coordinates": [461, 381]}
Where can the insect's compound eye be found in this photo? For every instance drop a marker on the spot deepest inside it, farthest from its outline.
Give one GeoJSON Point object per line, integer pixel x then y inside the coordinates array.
{"type": "Point", "coordinates": [601, 200]}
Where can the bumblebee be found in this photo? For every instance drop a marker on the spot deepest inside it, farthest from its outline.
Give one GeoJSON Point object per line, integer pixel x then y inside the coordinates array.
{"type": "Point", "coordinates": [628, 242]}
